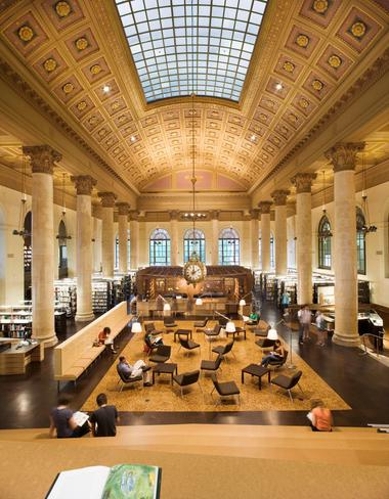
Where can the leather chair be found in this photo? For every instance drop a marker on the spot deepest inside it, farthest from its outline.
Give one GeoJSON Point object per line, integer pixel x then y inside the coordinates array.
{"type": "Point", "coordinates": [223, 350]}
{"type": "Point", "coordinates": [224, 388]}
{"type": "Point", "coordinates": [188, 344]}
{"type": "Point", "coordinates": [277, 363]}
{"type": "Point", "coordinates": [169, 322]}
{"type": "Point", "coordinates": [162, 354]}
{"type": "Point", "coordinates": [211, 365]}
{"type": "Point", "coordinates": [123, 380]}
{"type": "Point", "coordinates": [288, 382]}
{"type": "Point", "coordinates": [186, 379]}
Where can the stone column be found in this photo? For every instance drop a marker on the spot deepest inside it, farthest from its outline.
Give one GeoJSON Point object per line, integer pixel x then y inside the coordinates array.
{"type": "Point", "coordinates": [343, 156]}
{"type": "Point", "coordinates": [264, 208]}
{"type": "Point", "coordinates": [123, 236]}
{"type": "Point", "coordinates": [84, 185]}
{"type": "Point", "coordinates": [174, 238]}
{"type": "Point", "coordinates": [215, 237]}
{"type": "Point", "coordinates": [134, 240]}
{"type": "Point", "coordinates": [107, 202]}
{"type": "Point", "coordinates": [42, 162]}
{"type": "Point", "coordinates": [280, 197]}
{"type": "Point", "coordinates": [303, 183]}
{"type": "Point", "coordinates": [254, 239]}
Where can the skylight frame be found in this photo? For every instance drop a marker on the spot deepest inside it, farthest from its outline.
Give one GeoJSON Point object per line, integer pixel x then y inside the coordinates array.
{"type": "Point", "coordinates": [184, 47]}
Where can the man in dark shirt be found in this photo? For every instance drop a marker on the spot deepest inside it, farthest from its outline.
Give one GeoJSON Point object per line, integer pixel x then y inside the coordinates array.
{"type": "Point", "coordinates": [103, 420]}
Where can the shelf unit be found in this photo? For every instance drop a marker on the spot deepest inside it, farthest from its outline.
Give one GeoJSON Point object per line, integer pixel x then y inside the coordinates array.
{"type": "Point", "coordinates": [65, 291]}
{"type": "Point", "coordinates": [15, 321]}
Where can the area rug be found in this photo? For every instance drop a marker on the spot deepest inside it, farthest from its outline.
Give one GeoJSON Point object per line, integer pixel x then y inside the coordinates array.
{"type": "Point", "coordinates": [162, 396]}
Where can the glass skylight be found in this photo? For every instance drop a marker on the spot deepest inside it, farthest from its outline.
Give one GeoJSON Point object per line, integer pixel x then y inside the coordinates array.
{"type": "Point", "coordinates": [181, 47]}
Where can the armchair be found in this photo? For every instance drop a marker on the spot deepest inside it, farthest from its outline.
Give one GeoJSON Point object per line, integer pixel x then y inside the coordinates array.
{"type": "Point", "coordinates": [288, 382]}
{"type": "Point", "coordinates": [186, 379]}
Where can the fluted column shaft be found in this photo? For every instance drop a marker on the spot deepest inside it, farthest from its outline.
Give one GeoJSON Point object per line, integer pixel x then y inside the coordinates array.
{"type": "Point", "coordinates": [123, 236]}
{"type": "Point", "coordinates": [215, 237]}
{"type": "Point", "coordinates": [343, 157]}
{"type": "Point", "coordinates": [134, 240]}
{"type": "Point", "coordinates": [42, 163]}
{"type": "Point", "coordinates": [279, 198]}
{"type": "Point", "coordinates": [254, 239]}
{"type": "Point", "coordinates": [107, 202]}
{"type": "Point", "coordinates": [264, 208]}
{"type": "Point", "coordinates": [84, 185]}
{"type": "Point", "coordinates": [303, 183]}
{"type": "Point", "coordinates": [174, 237]}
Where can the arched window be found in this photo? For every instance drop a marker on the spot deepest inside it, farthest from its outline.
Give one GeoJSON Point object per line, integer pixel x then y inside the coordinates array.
{"type": "Point", "coordinates": [229, 247]}
{"type": "Point", "coordinates": [62, 237]}
{"type": "Point", "coordinates": [159, 247]}
{"type": "Point", "coordinates": [194, 240]}
{"type": "Point", "coordinates": [324, 235]}
{"type": "Point", "coordinates": [361, 241]}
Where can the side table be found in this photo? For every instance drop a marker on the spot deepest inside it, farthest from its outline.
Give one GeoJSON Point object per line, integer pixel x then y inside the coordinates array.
{"type": "Point", "coordinates": [256, 370]}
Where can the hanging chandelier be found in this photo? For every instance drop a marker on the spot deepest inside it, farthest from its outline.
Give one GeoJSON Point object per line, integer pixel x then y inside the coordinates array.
{"type": "Point", "coordinates": [194, 269]}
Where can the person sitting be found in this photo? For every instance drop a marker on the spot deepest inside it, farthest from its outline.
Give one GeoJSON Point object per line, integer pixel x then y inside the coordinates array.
{"type": "Point", "coordinates": [131, 371]}
{"type": "Point", "coordinates": [275, 356]}
{"type": "Point", "coordinates": [320, 416]}
{"type": "Point", "coordinates": [103, 420]}
{"type": "Point", "coordinates": [62, 421]}
{"type": "Point", "coordinates": [104, 338]}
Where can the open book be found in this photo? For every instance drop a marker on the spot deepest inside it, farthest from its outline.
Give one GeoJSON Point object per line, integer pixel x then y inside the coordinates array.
{"type": "Point", "coordinates": [130, 481]}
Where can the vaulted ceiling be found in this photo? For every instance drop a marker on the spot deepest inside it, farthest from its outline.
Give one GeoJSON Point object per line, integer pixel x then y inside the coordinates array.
{"type": "Point", "coordinates": [318, 74]}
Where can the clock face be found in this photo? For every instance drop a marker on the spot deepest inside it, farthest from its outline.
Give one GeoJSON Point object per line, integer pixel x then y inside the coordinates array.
{"type": "Point", "coordinates": [194, 272]}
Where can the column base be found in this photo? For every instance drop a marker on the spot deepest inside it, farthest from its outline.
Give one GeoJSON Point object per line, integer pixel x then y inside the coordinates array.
{"type": "Point", "coordinates": [48, 342]}
{"type": "Point", "coordinates": [346, 341]}
{"type": "Point", "coordinates": [85, 317]}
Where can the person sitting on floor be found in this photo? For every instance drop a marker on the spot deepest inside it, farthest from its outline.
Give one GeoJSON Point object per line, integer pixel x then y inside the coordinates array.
{"type": "Point", "coordinates": [103, 420]}
{"type": "Point", "coordinates": [131, 371]}
{"type": "Point", "coordinates": [104, 339]}
{"type": "Point", "coordinates": [62, 421]}
{"type": "Point", "coordinates": [320, 416]}
{"type": "Point", "coordinates": [275, 356]}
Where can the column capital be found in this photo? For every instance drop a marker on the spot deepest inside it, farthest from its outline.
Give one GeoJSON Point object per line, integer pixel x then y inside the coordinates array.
{"type": "Point", "coordinates": [303, 182]}
{"type": "Point", "coordinates": [343, 155]}
{"type": "Point", "coordinates": [123, 208]}
{"type": "Point", "coordinates": [214, 214]}
{"type": "Point", "coordinates": [264, 207]}
{"type": "Point", "coordinates": [42, 158]}
{"type": "Point", "coordinates": [84, 184]}
{"type": "Point", "coordinates": [107, 199]}
{"type": "Point", "coordinates": [280, 196]}
{"type": "Point", "coordinates": [254, 214]}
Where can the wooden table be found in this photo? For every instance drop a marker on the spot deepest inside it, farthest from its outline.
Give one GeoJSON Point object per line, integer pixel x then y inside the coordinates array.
{"type": "Point", "coordinates": [165, 368]}
{"type": "Point", "coordinates": [256, 370]}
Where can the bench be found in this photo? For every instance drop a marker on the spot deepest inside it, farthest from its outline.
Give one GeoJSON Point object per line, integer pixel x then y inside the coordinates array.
{"type": "Point", "coordinates": [76, 354]}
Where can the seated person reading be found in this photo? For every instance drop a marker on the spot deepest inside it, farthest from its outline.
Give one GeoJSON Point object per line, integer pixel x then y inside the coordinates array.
{"type": "Point", "coordinates": [63, 423]}
{"type": "Point", "coordinates": [104, 339]}
{"type": "Point", "coordinates": [275, 356]}
{"type": "Point", "coordinates": [131, 371]}
{"type": "Point", "coordinates": [320, 417]}
{"type": "Point", "coordinates": [153, 341]}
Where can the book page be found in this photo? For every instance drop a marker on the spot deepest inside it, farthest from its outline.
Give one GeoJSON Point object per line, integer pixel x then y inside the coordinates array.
{"type": "Point", "coordinates": [80, 417]}
{"type": "Point", "coordinates": [87, 483]}
{"type": "Point", "coordinates": [132, 481]}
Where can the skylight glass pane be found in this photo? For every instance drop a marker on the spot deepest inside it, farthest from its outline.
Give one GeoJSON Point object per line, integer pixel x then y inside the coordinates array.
{"type": "Point", "coordinates": [181, 40]}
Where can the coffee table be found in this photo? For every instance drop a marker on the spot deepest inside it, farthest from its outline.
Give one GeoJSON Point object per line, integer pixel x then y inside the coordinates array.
{"type": "Point", "coordinates": [256, 370]}
{"type": "Point", "coordinates": [165, 368]}
{"type": "Point", "coordinates": [183, 332]}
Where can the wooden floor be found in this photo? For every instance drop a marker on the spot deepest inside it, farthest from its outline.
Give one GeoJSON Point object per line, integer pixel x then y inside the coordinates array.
{"type": "Point", "coordinates": [360, 380]}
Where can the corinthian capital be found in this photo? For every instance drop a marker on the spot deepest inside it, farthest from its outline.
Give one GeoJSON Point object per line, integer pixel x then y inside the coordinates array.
{"type": "Point", "coordinates": [84, 184]}
{"type": "Point", "coordinates": [343, 155]}
{"type": "Point", "coordinates": [42, 158]}
{"type": "Point", "coordinates": [280, 197]}
{"type": "Point", "coordinates": [107, 199]}
{"type": "Point", "coordinates": [303, 182]}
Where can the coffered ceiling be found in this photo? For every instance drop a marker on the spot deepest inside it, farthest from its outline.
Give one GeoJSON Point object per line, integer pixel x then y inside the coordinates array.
{"type": "Point", "coordinates": [319, 74]}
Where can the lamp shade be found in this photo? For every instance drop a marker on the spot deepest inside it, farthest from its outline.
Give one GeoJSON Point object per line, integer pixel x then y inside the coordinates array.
{"type": "Point", "coordinates": [242, 302]}
{"type": "Point", "coordinates": [230, 327]}
{"type": "Point", "coordinates": [166, 307]}
{"type": "Point", "coordinates": [272, 334]}
{"type": "Point", "coordinates": [199, 301]}
{"type": "Point", "coordinates": [136, 327]}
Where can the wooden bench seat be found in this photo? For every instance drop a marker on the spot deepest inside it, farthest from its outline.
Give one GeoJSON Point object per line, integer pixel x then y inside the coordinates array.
{"type": "Point", "coordinates": [76, 354]}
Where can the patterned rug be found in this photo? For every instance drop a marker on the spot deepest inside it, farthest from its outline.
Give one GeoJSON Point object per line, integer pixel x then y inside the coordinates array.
{"type": "Point", "coordinates": [162, 396]}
